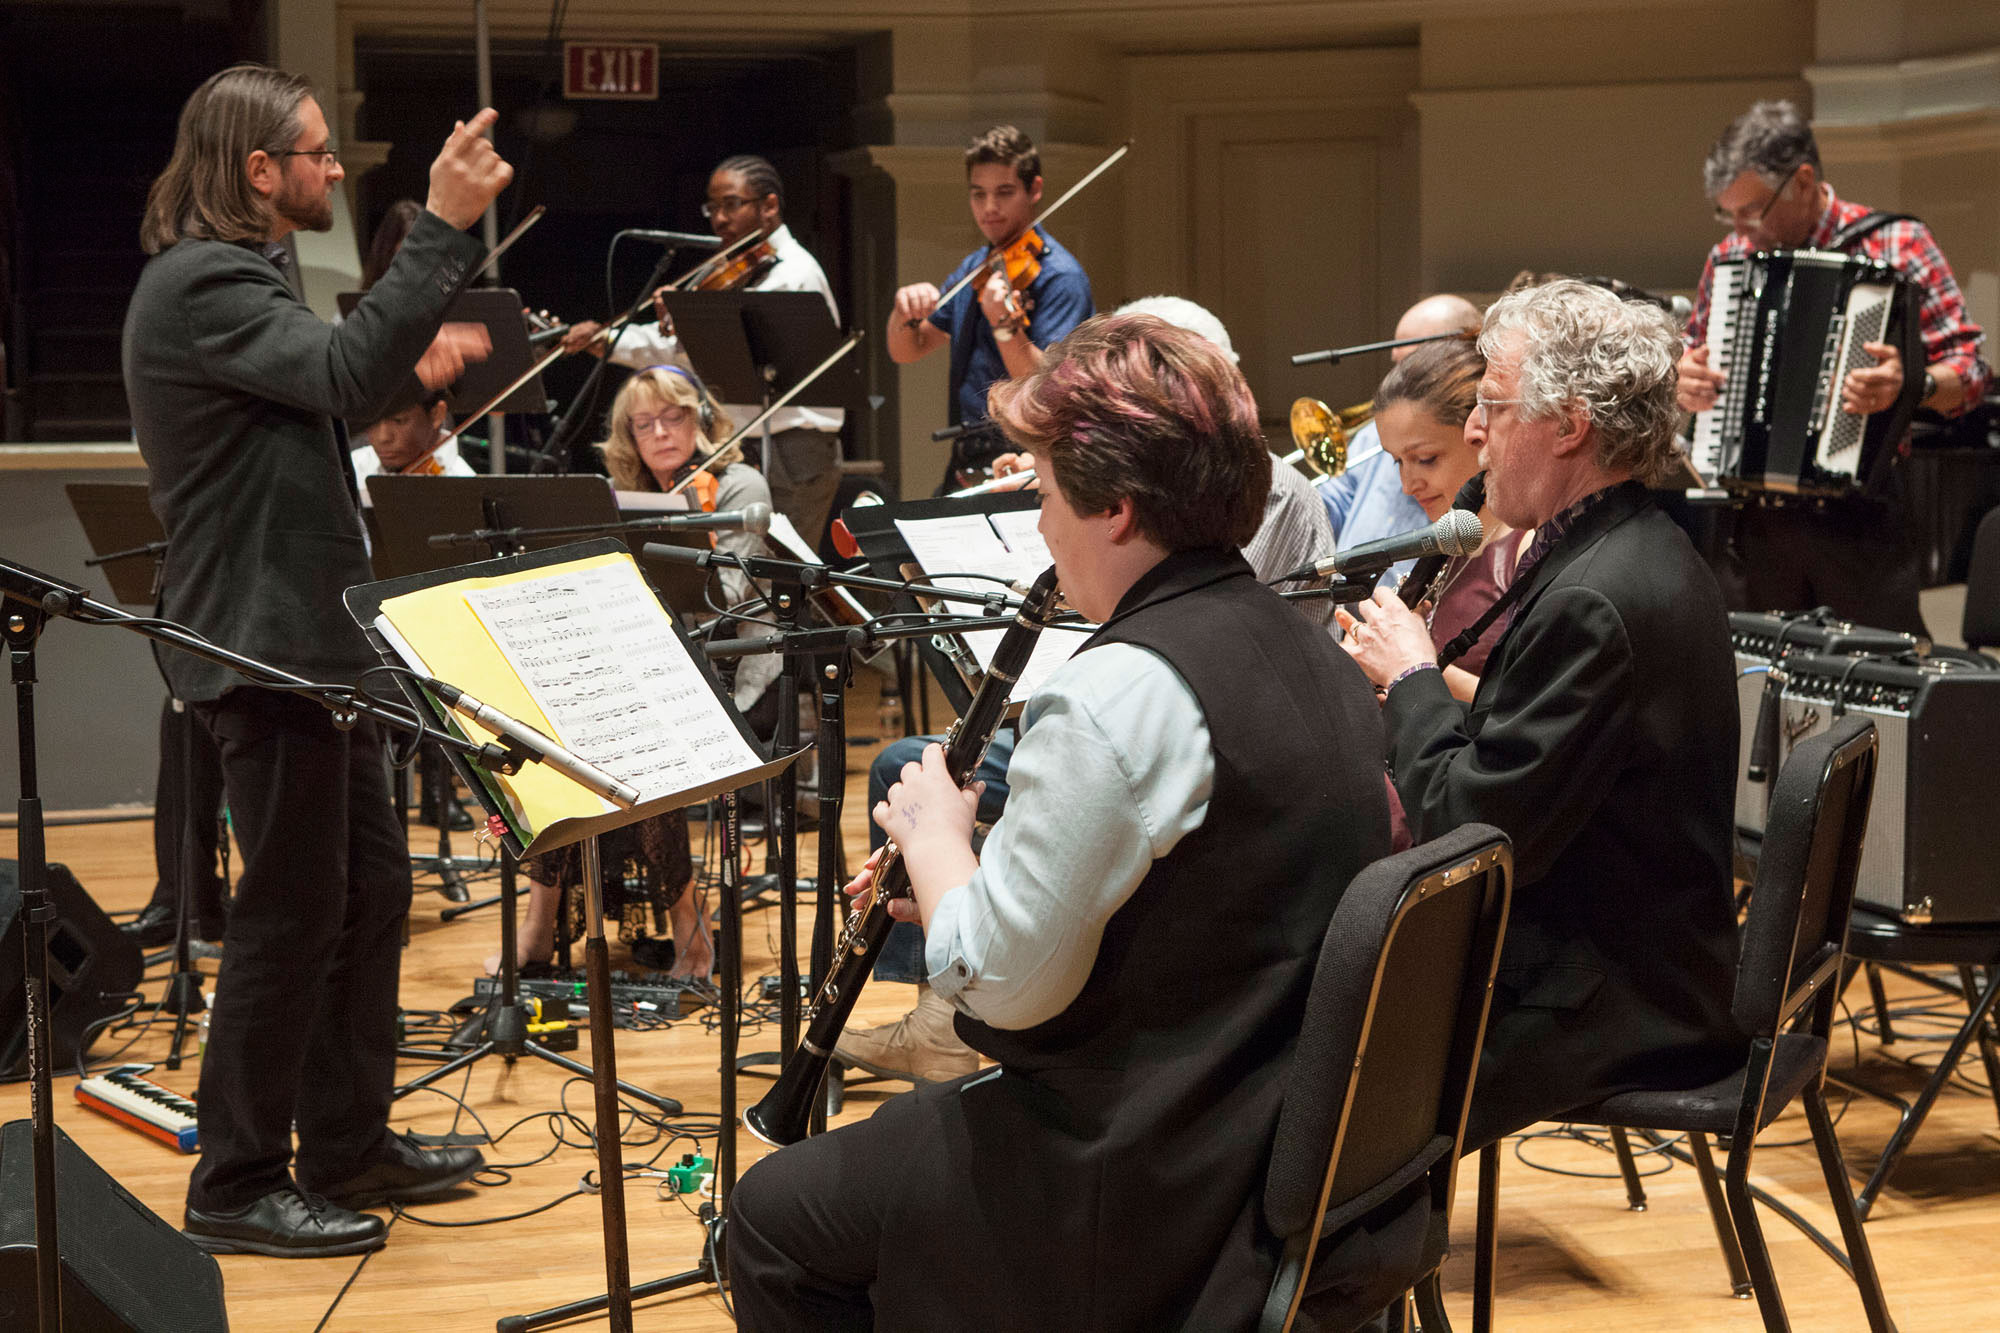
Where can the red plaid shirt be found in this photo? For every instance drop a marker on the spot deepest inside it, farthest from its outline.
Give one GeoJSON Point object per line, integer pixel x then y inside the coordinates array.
{"type": "Point", "coordinates": [1950, 339]}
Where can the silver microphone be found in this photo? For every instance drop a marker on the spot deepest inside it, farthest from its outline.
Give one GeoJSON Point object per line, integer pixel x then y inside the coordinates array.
{"type": "Point", "coordinates": [1459, 532]}
{"type": "Point", "coordinates": [621, 794]}
{"type": "Point", "coordinates": [692, 238]}
{"type": "Point", "coordinates": [754, 518]}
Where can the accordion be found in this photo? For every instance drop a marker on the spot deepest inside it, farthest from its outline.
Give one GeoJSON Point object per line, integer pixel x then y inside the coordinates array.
{"type": "Point", "coordinates": [1785, 329]}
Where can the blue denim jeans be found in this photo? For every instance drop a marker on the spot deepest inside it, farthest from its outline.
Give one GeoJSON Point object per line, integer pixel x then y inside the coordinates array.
{"type": "Point", "coordinates": [902, 956]}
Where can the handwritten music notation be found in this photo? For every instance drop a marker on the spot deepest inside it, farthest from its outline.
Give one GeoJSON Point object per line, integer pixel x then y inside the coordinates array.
{"type": "Point", "coordinates": [601, 660]}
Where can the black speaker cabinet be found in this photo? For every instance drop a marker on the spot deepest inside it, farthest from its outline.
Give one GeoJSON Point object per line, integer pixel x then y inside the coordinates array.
{"type": "Point", "coordinates": [93, 966]}
{"type": "Point", "coordinates": [1932, 850]}
{"type": "Point", "coordinates": [124, 1269]}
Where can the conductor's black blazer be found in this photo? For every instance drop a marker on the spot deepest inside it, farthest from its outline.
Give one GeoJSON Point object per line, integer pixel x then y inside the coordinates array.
{"type": "Point", "coordinates": [234, 384]}
{"type": "Point", "coordinates": [1603, 740]}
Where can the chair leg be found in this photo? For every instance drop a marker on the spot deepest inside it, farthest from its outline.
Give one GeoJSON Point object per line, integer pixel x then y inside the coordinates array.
{"type": "Point", "coordinates": [1880, 999]}
{"type": "Point", "coordinates": [1430, 1304]}
{"type": "Point", "coordinates": [1859, 1256]}
{"type": "Point", "coordinates": [1913, 1119]}
{"type": "Point", "coordinates": [1989, 1049]}
{"type": "Point", "coordinates": [1756, 1256]}
{"type": "Point", "coordinates": [1486, 1242]}
{"type": "Point", "coordinates": [1635, 1192]}
{"type": "Point", "coordinates": [1718, 1214]}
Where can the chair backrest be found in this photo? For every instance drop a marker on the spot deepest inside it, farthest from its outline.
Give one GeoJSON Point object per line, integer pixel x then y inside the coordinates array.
{"type": "Point", "coordinates": [1981, 626]}
{"type": "Point", "coordinates": [1378, 1090]}
{"type": "Point", "coordinates": [1796, 931]}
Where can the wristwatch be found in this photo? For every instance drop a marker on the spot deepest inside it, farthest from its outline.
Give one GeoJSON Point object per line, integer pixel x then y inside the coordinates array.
{"type": "Point", "coordinates": [1930, 387]}
{"type": "Point", "coordinates": [1002, 334]}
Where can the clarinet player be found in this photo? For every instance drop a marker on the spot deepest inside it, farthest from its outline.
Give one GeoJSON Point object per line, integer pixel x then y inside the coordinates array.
{"type": "Point", "coordinates": [1145, 777]}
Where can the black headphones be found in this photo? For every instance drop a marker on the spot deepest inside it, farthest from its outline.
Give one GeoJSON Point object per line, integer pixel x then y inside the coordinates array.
{"type": "Point", "coordinates": [704, 407]}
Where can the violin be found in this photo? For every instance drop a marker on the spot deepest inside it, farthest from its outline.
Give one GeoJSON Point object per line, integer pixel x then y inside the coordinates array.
{"type": "Point", "coordinates": [1021, 264]}
{"type": "Point", "coordinates": [731, 269]}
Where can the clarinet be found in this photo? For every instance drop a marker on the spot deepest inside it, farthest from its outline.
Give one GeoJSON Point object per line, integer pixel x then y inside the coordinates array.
{"type": "Point", "coordinates": [782, 1115]}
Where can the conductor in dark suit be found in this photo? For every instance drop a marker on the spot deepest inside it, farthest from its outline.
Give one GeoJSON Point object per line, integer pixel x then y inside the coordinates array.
{"type": "Point", "coordinates": [234, 386]}
{"type": "Point", "coordinates": [1603, 735]}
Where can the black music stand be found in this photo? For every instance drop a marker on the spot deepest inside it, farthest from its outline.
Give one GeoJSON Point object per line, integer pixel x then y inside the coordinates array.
{"type": "Point", "coordinates": [131, 548]}
{"type": "Point", "coordinates": [506, 1031]}
{"type": "Point", "coordinates": [882, 546]}
{"type": "Point", "coordinates": [752, 346]}
{"type": "Point", "coordinates": [409, 511]}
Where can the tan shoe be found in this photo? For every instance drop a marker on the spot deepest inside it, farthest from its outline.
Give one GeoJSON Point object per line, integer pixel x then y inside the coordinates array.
{"type": "Point", "coordinates": [920, 1046]}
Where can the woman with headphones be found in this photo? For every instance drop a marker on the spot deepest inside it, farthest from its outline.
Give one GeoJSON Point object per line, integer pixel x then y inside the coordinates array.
{"type": "Point", "coordinates": [662, 425]}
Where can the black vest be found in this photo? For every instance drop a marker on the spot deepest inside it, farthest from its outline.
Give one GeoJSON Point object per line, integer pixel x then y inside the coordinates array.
{"type": "Point", "coordinates": [1156, 1091]}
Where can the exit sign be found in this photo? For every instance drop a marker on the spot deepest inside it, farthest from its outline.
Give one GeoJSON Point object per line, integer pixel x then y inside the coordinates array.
{"type": "Point", "coordinates": [624, 71]}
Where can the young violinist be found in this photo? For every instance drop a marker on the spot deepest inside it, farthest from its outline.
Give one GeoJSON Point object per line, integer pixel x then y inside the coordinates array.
{"type": "Point", "coordinates": [996, 329]}
{"type": "Point", "coordinates": [802, 444]}
{"type": "Point", "coordinates": [401, 437]}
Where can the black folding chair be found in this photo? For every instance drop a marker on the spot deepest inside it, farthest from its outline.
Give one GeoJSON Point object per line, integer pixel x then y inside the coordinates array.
{"type": "Point", "coordinates": [1794, 945]}
{"type": "Point", "coordinates": [1368, 1140]}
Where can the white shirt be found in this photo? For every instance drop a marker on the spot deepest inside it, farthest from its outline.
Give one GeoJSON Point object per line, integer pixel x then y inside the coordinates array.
{"type": "Point", "coordinates": [642, 344]}
{"type": "Point", "coordinates": [1114, 767]}
{"type": "Point", "coordinates": [367, 465]}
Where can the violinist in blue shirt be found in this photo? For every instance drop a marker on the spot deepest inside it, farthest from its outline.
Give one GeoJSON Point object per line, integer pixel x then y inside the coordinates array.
{"type": "Point", "coordinates": [995, 330]}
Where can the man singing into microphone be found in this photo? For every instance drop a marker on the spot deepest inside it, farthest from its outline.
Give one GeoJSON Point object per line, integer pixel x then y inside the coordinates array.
{"type": "Point", "coordinates": [234, 386]}
{"type": "Point", "coordinates": [1602, 737]}
{"type": "Point", "coordinates": [1147, 780]}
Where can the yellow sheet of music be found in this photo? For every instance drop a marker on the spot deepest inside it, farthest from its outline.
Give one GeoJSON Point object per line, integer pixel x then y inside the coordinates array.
{"type": "Point", "coordinates": [456, 647]}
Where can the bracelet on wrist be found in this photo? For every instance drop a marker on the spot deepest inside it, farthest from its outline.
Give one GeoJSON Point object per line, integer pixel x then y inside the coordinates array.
{"type": "Point", "coordinates": [1410, 671]}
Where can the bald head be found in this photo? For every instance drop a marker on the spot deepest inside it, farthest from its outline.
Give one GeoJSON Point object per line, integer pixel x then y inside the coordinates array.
{"type": "Point", "coordinates": [1443, 313]}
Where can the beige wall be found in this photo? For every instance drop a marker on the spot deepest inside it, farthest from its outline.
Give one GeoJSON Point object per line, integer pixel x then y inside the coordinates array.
{"type": "Point", "coordinates": [1306, 169]}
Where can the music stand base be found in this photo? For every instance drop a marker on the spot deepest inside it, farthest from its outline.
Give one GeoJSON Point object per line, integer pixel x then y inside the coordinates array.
{"type": "Point", "coordinates": [704, 1273]}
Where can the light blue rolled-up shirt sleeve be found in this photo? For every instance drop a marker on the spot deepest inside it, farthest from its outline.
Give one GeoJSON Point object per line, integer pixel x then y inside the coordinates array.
{"type": "Point", "coordinates": [1113, 768]}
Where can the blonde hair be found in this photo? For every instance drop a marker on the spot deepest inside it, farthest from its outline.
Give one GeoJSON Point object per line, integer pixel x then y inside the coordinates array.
{"type": "Point", "coordinates": [204, 193]}
{"type": "Point", "coordinates": [621, 451]}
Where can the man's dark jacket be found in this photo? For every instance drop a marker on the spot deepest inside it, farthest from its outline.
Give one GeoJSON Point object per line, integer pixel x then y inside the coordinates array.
{"type": "Point", "coordinates": [1603, 740]}
{"type": "Point", "coordinates": [234, 384]}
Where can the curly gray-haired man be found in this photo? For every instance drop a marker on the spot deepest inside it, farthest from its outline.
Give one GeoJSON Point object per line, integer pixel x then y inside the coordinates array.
{"type": "Point", "coordinates": [1603, 735]}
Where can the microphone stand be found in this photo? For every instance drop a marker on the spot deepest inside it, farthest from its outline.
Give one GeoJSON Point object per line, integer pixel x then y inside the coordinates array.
{"type": "Point", "coordinates": [1333, 356]}
{"type": "Point", "coordinates": [554, 449]}
{"type": "Point", "coordinates": [31, 598]}
{"type": "Point", "coordinates": [512, 538]}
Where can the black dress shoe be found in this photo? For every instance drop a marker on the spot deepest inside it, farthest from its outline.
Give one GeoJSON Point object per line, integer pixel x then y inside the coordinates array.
{"type": "Point", "coordinates": [405, 1173]}
{"type": "Point", "coordinates": [285, 1224]}
{"type": "Point", "coordinates": [152, 927]}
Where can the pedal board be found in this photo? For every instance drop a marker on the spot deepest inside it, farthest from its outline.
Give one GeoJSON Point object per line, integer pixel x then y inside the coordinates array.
{"type": "Point", "coordinates": [648, 993]}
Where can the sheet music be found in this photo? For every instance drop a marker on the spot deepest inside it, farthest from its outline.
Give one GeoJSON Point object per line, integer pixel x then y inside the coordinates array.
{"type": "Point", "coordinates": [650, 502]}
{"type": "Point", "coordinates": [600, 659]}
{"type": "Point", "coordinates": [1006, 545]}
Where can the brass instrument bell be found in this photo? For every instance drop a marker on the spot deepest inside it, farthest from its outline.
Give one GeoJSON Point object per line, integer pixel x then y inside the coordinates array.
{"type": "Point", "coordinates": [1321, 433]}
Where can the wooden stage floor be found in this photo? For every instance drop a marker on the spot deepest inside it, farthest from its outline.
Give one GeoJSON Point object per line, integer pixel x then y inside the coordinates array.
{"type": "Point", "coordinates": [1572, 1256]}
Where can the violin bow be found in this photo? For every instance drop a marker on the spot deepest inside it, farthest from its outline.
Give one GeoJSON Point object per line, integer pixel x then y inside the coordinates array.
{"type": "Point", "coordinates": [550, 358]}
{"type": "Point", "coordinates": [733, 445]}
{"type": "Point", "coordinates": [1041, 217]}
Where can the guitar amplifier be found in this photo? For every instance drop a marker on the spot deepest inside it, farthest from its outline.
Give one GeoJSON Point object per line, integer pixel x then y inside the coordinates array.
{"type": "Point", "coordinates": [1932, 850]}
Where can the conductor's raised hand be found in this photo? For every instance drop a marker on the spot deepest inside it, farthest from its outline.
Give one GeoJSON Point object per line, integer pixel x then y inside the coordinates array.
{"type": "Point", "coordinates": [469, 172]}
{"type": "Point", "coordinates": [456, 346]}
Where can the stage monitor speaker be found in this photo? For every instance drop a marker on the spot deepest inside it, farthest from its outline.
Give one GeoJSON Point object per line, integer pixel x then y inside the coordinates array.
{"type": "Point", "coordinates": [124, 1269]}
{"type": "Point", "coordinates": [93, 968]}
{"type": "Point", "coordinates": [1932, 849]}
